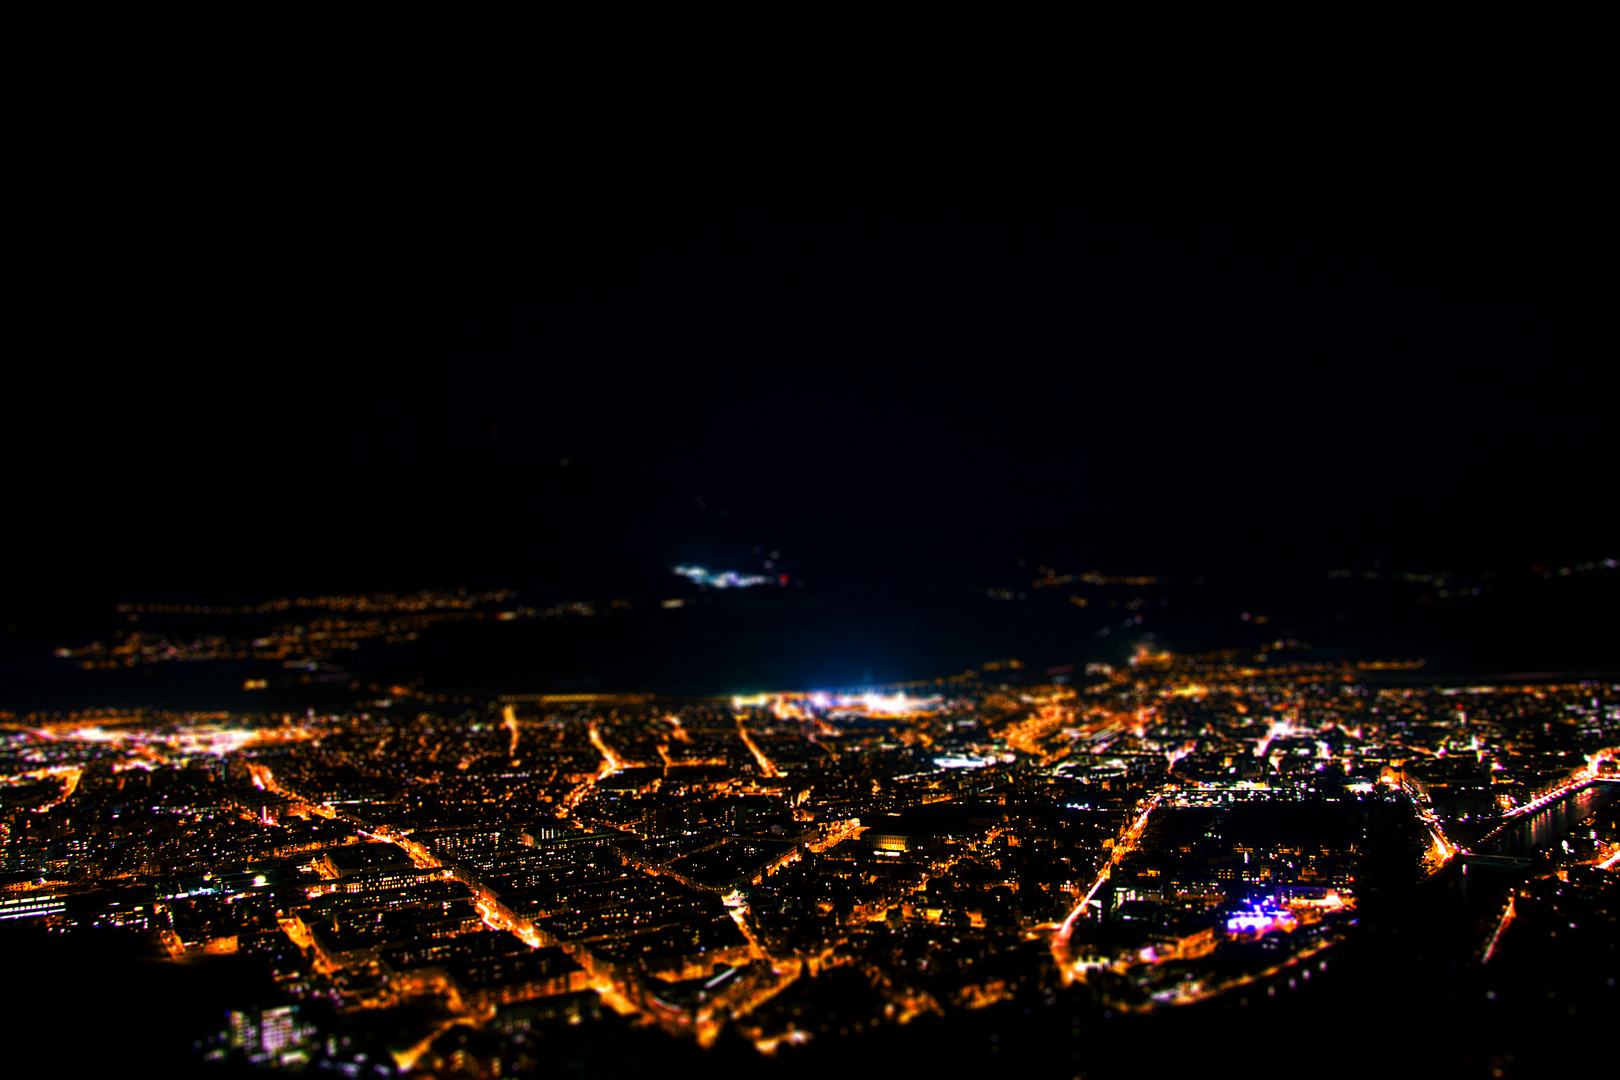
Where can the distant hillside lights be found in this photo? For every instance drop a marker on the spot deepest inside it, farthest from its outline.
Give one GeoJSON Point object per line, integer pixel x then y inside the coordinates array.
{"type": "Point", "coordinates": [726, 579]}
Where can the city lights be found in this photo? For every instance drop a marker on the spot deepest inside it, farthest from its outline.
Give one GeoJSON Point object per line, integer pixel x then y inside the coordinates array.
{"type": "Point", "coordinates": [1167, 832]}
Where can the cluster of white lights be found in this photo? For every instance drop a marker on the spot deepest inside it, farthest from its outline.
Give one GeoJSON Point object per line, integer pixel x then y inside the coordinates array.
{"type": "Point", "coordinates": [835, 704]}
{"type": "Point", "coordinates": [725, 579]}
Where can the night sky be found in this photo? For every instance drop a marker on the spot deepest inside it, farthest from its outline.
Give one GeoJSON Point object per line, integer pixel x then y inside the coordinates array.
{"type": "Point", "coordinates": [328, 310]}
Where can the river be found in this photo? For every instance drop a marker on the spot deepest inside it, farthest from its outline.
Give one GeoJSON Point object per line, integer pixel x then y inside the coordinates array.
{"type": "Point", "coordinates": [1547, 826]}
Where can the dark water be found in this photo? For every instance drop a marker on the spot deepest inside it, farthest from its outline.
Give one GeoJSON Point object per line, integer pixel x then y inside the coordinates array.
{"type": "Point", "coordinates": [861, 617]}
{"type": "Point", "coordinates": [715, 645]}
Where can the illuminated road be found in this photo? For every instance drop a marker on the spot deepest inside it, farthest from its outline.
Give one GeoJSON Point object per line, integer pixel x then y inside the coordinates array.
{"type": "Point", "coordinates": [611, 762]}
{"type": "Point", "coordinates": [1440, 850]}
{"type": "Point", "coordinates": [1496, 934]}
{"type": "Point", "coordinates": [766, 768]}
{"type": "Point", "coordinates": [1124, 845]}
{"type": "Point", "coordinates": [605, 979]}
{"type": "Point", "coordinates": [509, 721]}
{"type": "Point", "coordinates": [843, 831]}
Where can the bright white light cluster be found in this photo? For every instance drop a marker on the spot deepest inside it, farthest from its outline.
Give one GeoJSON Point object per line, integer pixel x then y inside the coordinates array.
{"type": "Point", "coordinates": [965, 761]}
{"type": "Point", "coordinates": [804, 706]}
{"type": "Point", "coordinates": [216, 739]}
{"type": "Point", "coordinates": [725, 579]}
{"type": "Point", "coordinates": [1263, 915]}
{"type": "Point", "coordinates": [888, 704]}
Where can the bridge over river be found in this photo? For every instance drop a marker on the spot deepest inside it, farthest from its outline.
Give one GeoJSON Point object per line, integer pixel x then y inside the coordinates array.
{"type": "Point", "coordinates": [1542, 823]}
